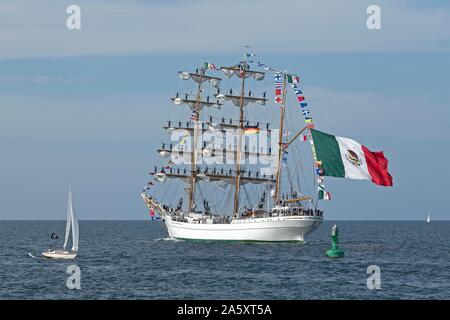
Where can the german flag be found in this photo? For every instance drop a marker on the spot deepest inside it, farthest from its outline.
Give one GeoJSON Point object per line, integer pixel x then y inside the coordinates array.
{"type": "Point", "coordinates": [251, 129]}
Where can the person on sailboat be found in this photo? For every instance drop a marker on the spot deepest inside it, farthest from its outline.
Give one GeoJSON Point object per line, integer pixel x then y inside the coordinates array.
{"type": "Point", "coordinates": [53, 236]}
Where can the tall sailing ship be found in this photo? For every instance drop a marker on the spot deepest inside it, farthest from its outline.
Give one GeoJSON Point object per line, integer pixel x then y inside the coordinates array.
{"type": "Point", "coordinates": [264, 204]}
{"type": "Point", "coordinates": [237, 182]}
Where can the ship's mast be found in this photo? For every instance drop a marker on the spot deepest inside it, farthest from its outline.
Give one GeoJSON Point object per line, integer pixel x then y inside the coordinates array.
{"type": "Point", "coordinates": [280, 142]}
{"type": "Point", "coordinates": [240, 133]}
{"type": "Point", "coordinates": [241, 70]}
{"type": "Point", "coordinates": [194, 144]}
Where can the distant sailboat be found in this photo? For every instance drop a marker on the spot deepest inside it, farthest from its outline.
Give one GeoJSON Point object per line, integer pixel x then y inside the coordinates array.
{"type": "Point", "coordinates": [71, 223]}
{"type": "Point", "coordinates": [428, 218]}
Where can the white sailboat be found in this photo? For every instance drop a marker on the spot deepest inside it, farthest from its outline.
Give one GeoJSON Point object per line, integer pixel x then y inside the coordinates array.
{"type": "Point", "coordinates": [428, 218]}
{"type": "Point", "coordinates": [71, 223]}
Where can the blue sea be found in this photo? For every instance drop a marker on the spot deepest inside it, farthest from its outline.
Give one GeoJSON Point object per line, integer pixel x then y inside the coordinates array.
{"type": "Point", "coordinates": [136, 260]}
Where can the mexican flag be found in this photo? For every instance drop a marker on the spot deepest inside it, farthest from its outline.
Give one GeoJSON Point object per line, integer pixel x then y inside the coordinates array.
{"type": "Point", "coordinates": [346, 158]}
{"type": "Point", "coordinates": [292, 78]}
{"type": "Point", "coordinates": [323, 195]}
{"type": "Point", "coordinates": [210, 66]}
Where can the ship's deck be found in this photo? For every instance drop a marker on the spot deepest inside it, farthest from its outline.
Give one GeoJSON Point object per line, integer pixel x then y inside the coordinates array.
{"type": "Point", "coordinates": [249, 216]}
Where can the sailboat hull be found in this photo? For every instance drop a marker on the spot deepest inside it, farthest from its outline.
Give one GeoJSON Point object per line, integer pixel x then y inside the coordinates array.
{"type": "Point", "coordinates": [286, 228]}
{"type": "Point", "coordinates": [60, 254]}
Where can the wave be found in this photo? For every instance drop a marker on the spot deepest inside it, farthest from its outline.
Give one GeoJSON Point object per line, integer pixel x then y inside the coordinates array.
{"type": "Point", "coordinates": [168, 239]}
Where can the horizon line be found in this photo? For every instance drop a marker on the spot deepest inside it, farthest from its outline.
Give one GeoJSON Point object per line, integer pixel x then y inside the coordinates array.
{"type": "Point", "coordinates": [362, 220]}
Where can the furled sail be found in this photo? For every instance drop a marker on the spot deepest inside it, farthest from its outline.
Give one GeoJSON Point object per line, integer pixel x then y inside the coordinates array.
{"type": "Point", "coordinates": [161, 176]}
{"type": "Point", "coordinates": [239, 72]}
{"type": "Point", "coordinates": [207, 126]}
{"type": "Point", "coordinates": [199, 78]}
{"type": "Point", "coordinates": [192, 103]}
{"type": "Point", "coordinates": [223, 177]}
{"type": "Point", "coordinates": [213, 152]}
{"type": "Point", "coordinates": [236, 100]}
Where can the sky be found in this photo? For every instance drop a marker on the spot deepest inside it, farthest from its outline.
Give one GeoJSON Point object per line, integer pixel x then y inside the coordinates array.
{"type": "Point", "coordinates": [85, 107]}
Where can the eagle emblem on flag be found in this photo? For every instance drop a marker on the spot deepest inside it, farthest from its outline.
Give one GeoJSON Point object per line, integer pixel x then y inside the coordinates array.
{"type": "Point", "coordinates": [353, 158]}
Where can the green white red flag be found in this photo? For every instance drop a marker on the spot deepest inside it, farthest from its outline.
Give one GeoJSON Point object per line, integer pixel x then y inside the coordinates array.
{"type": "Point", "coordinates": [292, 78]}
{"type": "Point", "coordinates": [210, 66]}
{"type": "Point", "coordinates": [347, 158]}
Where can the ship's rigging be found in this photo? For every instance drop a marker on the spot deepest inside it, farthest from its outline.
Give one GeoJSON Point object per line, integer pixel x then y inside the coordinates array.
{"type": "Point", "coordinates": [233, 173]}
{"type": "Point", "coordinates": [237, 172]}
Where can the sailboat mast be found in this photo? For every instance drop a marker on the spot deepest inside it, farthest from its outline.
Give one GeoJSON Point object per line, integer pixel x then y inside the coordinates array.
{"type": "Point", "coordinates": [280, 142]}
{"type": "Point", "coordinates": [194, 144]}
{"type": "Point", "coordinates": [239, 146]}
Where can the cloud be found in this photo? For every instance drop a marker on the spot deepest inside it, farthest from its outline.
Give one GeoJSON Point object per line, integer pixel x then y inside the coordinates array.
{"type": "Point", "coordinates": [291, 26]}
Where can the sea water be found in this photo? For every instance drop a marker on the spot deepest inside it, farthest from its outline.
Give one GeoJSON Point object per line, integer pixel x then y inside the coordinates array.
{"type": "Point", "coordinates": [136, 260]}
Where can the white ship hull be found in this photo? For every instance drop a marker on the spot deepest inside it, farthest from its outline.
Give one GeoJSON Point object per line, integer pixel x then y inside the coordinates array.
{"type": "Point", "coordinates": [286, 228]}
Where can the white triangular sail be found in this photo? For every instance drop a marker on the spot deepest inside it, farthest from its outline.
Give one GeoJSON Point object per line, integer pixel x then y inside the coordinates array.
{"type": "Point", "coordinates": [428, 218]}
{"type": "Point", "coordinates": [68, 219]}
{"type": "Point", "coordinates": [75, 229]}
{"type": "Point", "coordinates": [72, 223]}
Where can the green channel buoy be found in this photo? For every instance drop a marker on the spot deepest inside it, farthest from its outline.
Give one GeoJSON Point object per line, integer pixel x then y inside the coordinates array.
{"type": "Point", "coordinates": [335, 251]}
